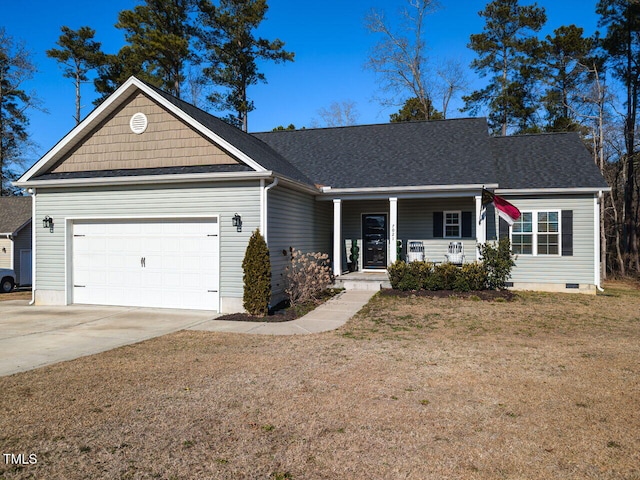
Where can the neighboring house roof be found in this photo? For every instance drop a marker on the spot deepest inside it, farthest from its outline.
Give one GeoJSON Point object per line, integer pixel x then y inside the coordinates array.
{"type": "Point", "coordinates": [452, 152]}
{"type": "Point", "coordinates": [15, 213]}
{"type": "Point", "coordinates": [545, 161]}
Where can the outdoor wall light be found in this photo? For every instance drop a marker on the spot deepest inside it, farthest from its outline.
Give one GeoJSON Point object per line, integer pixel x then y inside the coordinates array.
{"type": "Point", "coordinates": [236, 221]}
{"type": "Point", "coordinates": [47, 222]}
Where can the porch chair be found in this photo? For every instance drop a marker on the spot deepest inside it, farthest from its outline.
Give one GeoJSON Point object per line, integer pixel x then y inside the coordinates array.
{"type": "Point", "coordinates": [415, 251]}
{"type": "Point", "coordinates": [455, 253]}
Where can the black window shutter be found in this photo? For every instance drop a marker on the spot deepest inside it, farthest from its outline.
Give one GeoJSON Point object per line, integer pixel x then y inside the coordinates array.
{"type": "Point", "coordinates": [503, 229]}
{"type": "Point", "coordinates": [438, 220]}
{"type": "Point", "coordinates": [567, 232]}
{"type": "Point", "coordinates": [466, 224]}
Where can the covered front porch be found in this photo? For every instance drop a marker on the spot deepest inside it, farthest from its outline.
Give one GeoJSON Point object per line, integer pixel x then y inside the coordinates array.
{"type": "Point", "coordinates": [372, 231]}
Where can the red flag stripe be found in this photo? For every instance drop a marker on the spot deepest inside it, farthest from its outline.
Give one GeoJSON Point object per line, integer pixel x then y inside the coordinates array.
{"type": "Point", "coordinates": [505, 207]}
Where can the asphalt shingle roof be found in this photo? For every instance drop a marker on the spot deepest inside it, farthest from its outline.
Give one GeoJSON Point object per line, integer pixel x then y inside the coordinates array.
{"type": "Point", "coordinates": [14, 213]}
{"type": "Point", "coordinates": [558, 160]}
{"type": "Point", "coordinates": [406, 154]}
{"type": "Point", "coordinates": [451, 152]}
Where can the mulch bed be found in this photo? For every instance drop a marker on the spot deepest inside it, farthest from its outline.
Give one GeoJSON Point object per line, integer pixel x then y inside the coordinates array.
{"type": "Point", "coordinates": [284, 315]}
{"type": "Point", "coordinates": [282, 312]}
{"type": "Point", "coordinates": [486, 295]}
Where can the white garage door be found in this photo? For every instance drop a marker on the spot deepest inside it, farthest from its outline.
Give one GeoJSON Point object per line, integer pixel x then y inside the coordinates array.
{"type": "Point", "coordinates": [147, 263]}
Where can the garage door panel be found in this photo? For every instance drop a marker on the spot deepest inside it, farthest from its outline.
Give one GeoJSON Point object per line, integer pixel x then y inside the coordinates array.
{"type": "Point", "coordinates": [150, 263]}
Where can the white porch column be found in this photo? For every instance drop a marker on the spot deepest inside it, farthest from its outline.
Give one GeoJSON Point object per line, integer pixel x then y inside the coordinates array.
{"type": "Point", "coordinates": [393, 229]}
{"type": "Point", "coordinates": [337, 237]}
{"type": "Point", "coordinates": [481, 226]}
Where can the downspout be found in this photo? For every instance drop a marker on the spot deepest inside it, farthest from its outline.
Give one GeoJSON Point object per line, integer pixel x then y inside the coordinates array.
{"type": "Point", "coordinates": [12, 247]}
{"type": "Point", "coordinates": [265, 210]}
{"type": "Point", "coordinates": [596, 209]}
{"type": "Point", "coordinates": [32, 191]}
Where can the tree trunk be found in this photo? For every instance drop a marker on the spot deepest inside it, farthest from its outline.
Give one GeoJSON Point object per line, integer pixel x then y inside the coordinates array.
{"type": "Point", "coordinates": [619, 240]}
{"type": "Point", "coordinates": [78, 107]}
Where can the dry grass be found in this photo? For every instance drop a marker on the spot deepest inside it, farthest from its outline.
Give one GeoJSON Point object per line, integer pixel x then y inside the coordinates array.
{"type": "Point", "coordinates": [16, 295]}
{"type": "Point", "coordinates": [544, 387]}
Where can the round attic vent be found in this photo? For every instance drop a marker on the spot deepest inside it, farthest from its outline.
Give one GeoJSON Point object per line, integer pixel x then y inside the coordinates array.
{"type": "Point", "coordinates": [138, 123]}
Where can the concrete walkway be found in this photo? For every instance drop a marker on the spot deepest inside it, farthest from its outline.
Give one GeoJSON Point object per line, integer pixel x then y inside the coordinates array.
{"type": "Point", "coordinates": [328, 316]}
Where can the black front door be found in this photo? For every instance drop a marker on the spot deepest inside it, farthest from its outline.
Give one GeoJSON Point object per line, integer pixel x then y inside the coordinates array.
{"type": "Point", "coordinates": [374, 235]}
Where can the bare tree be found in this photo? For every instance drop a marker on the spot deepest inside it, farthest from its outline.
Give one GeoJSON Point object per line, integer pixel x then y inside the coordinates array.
{"type": "Point", "coordinates": [399, 58]}
{"type": "Point", "coordinates": [597, 101]}
{"type": "Point", "coordinates": [452, 80]}
{"type": "Point", "coordinates": [339, 114]}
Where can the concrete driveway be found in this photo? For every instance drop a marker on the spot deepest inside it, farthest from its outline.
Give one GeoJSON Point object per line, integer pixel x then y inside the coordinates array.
{"type": "Point", "coordinates": [34, 336]}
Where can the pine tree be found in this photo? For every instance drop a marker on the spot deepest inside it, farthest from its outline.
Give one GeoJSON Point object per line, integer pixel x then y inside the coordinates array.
{"type": "Point", "coordinates": [567, 58]}
{"type": "Point", "coordinates": [509, 53]}
{"type": "Point", "coordinates": [412, 110]}
{"type": "Point", "coordinates": [16, 69]}
{"type": "Point", "coordinates": [159, 36]}
{"type": "Point", "coordinates": [79, 55]}
{"type": "Point", "coordinates": [233, 51]}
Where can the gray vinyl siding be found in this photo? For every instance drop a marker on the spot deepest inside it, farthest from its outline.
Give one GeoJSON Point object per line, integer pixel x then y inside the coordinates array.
{"type": "Point", "coordinates": [22, 241]}
{"type": "Point", "coordinates": [415, 222]}
{"type": "Point", "coordinates": [295, 219]}
{"type": "Point", "coordinates": [221, 199]}
{"type": "Point", "coordinates": [578, 268]}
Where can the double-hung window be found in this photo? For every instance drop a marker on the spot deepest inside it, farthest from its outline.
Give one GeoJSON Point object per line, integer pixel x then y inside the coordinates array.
{"type": "Point", "coordinates": [548, 233]}
{"type": "Point", "coordinates": [536, 233]}
{"type": "Point", "coordinates": [452, 228]}
{"type": "Point", "coordinates": [522, 234]}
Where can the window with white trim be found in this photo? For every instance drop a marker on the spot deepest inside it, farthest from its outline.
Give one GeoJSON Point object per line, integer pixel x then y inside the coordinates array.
{"type": "Point", "coordinates": [452, 225]}
{"type": "Point", "coordinates": [522, 234]}
{"type": "Point", "coordinates": [536, 233]}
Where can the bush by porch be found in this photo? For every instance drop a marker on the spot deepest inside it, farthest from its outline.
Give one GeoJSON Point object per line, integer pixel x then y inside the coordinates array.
{"type": "Point", "coordinates": [490, 274]}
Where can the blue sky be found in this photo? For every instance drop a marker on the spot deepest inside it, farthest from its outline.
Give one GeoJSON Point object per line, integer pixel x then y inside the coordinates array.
{"type": "Point", "coordinates": [328, 38]}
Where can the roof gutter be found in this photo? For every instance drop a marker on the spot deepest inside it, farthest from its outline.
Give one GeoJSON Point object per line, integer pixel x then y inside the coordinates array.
{"type": "Point", "coordinates": [550, 191]}
{"type": "Point", "coordinates": [166, 179]}
{"type": "Point", "coordinates": [422, 190]}
{"type": "Point", "coordinates": [145, 179]}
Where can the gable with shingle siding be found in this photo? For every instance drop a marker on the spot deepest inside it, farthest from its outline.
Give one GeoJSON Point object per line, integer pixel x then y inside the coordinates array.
{"type": "Point", "coordinates": [167, 142]}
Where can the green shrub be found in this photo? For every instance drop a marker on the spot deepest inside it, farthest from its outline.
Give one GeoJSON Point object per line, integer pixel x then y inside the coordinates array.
{"type": "Point", "coordinates": [472, 276]}
{"type": "Point", "coordinates": [447, 276]}
{"type": "Point", "coordinates": [397, 271]}
{"type": "Point", "coordinates": [498, 262]}
{"type": "Point", "coordinates": [256, 268]}
{"type": "Point", "coordinates": [444, 276]}
{"type": "Point", "coordinates": [420, 272]}
{"type": "Point", "coordinates": [409, 276]}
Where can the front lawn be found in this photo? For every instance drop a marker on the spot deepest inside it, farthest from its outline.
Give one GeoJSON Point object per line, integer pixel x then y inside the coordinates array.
{"type": "Point", "coordinates": [542, 386]}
